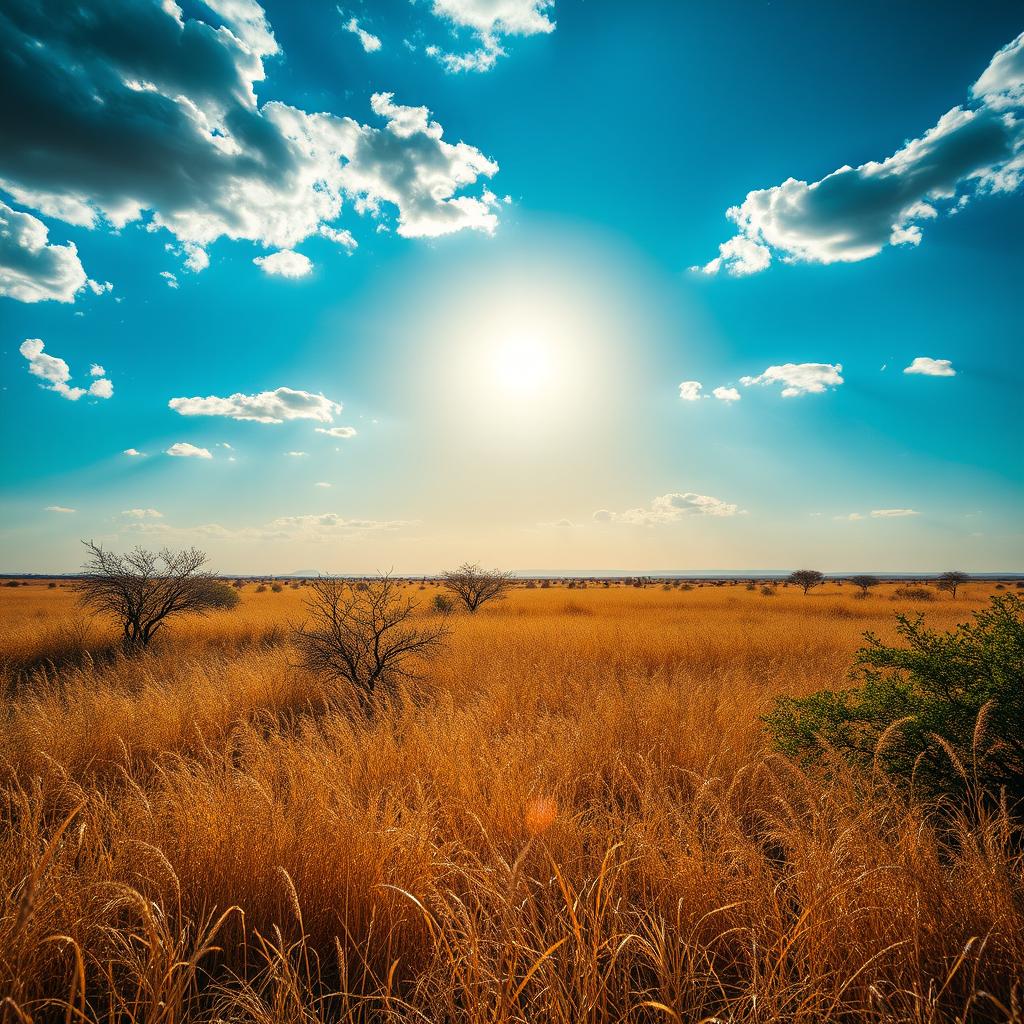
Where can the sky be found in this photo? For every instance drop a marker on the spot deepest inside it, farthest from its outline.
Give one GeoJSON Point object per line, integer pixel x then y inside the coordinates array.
{"type": "Point", "coordinates": [553, 285]}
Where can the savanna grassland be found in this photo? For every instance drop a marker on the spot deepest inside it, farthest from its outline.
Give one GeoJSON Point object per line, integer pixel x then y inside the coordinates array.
{"type": "Point", "coordinates": [574, 815]}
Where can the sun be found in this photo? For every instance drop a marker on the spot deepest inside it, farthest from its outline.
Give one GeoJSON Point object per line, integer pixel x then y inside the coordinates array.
{"type": "Point", "coordinates": [521, 365]}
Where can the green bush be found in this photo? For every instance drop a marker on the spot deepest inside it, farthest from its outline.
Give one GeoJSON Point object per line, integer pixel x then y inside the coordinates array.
{"type": "Point", "coordinates": [218, 595]}
{"type": "Point", "coordinates": [944, 713]}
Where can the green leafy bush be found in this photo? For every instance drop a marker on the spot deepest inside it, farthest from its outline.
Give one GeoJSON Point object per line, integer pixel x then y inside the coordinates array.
{"type": "Point", "coordinates": [945, 712]}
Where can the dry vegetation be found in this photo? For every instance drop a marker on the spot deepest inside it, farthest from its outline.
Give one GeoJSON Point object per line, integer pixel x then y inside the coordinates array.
{"type": "Point", "coordinates": [573, 815]}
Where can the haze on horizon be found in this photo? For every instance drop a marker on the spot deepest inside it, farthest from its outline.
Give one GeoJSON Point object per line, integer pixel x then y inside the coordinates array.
{"type": "Point", "coordinates": [545, 285]}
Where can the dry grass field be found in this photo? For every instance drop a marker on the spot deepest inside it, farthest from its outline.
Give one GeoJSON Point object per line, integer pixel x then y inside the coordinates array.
{"type": "Point", "coordinates": [574, 816]}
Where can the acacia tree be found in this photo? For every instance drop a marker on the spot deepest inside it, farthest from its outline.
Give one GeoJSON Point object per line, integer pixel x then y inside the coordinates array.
{"type": "Point", "coordinates": [364, 633]}
{"type": "Point", "coordinates": [865, 583]}
{"type": "Point", "coordinates": [143, 589]}
{"type": "Point", "coordinates": [475, 586]}
{"type": "Point", "coordinates": [806, 578]}
{"type": "Point", "coordinates": [949, 581]}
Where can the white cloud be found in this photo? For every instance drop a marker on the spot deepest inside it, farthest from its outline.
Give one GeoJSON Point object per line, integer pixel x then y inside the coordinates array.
{"type": "Point", "coordinates": [669, 508]}
{"type": "Point", "coordinates": [139, 112]}
{"type": "Point", "coordinates": [55, 373]}
{"type": "Point", "coordinates": [188, 451]}
{"type": "Point", "coordinates": [133, 453]}
{"type": "Point", "coordinates": [60, 508]}
{"type": "Point", "coordinates": [851, 517]}
{"type": "Point", "coordinates": [285, 263]}
{"type": "Point", "coordinates": [726, 394]}
{"type": "Point", "coordinates": [321, 483]}
{"type": "Point", "coordinates": [931, 367]}
{"type": "Point", "coordinates": [799, 378]}
{"type": "Point", "coordinates": [142, 513]}
{"type": "Point", "coordinates": [265, 407]}
{"type": "Point", "coordinates": [32, 270]}
{"type": "Point", "coordinates": [297, 455]}
{"type": "Point", "coordinates": [337, 431]}
{"type": "Point", "coordinates": [99, 287]}
{"type": "Point", "coordinates": [370, 42]}
{"type": "Point", "coordinates": [171, 279]}
{"type": "Point", "coordinates": [892, 513]}
{"type": "Point", "coordinates": [325, 528]}
{"type": "Point", "coordinates": [1001, 84]}
{"type": "Point", "coordinates": [689, 390]}
{"type": "Point", "coordinates": [490, 21]}
{"type": "Point", "coordinates": [97, 371]}
{"type": "Point", "coordinates": [339, 236]}
{"type": "Point", "coordinates": [855, 212]}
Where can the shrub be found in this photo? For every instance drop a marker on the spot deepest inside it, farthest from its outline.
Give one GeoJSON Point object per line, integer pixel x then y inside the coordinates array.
{"type": "Point", "coordinates": [944, 712]}
{"type": "Point", "coordinates": [51, 585]}
{"type": "Point", "coordinates": [12, 583]}
{"type": "Point", "coordinates": [276, 588]}
{"type": "Point", "coordinates": [219, 596]}
{"type": "Point", "coordinates": [261, 589]}
{"type": "Point", "coordinates": [751, 586]}
{"type": "Point", "coordinates": [767, 591]}
{"type": "Point", "coordinates": [912, 594]}
{"type": "Point", "coordinates": [442, 604]}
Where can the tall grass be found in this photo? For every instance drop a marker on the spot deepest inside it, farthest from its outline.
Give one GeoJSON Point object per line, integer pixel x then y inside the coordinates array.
{"type": "Point", "coordinates": [572, 817]}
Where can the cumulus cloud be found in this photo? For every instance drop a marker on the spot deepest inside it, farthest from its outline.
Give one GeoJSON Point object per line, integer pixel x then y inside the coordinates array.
{"type": "Point", "coordinates": [799, 378]}
{"type": "Point", "coordinates": [370, 42]}
{"type": "Point", "coordinates": [297, 455]}
{"type": "Point", "coordinates": [265, 407]}
{"type": "Point", "coordinates": [669, 508]}
{"type": "Point", "coordinates": [321, 483]}
{"type": "Point", "coordinates": [892, 513]}
{"type": "Point", "coordinates": [285, 263]}
{"type": "Point", "coordinates": [343, 432]}
{"type": "Point", "coordinates": [142, 513]}
{"type": "Point", "coordinates": [931, 367]}
{"type": "Point", "coordinates": [855, 212]}
{"type": "Point", "coordinates": [169, 278]}
{"type": "Point", "coordinates": [31, 269]}
{"type": "Point", "coordinates": [133, 453]}
{"type": "Point", "coordinates": [127, 110]}
{"type": "Point", "coordinates": [60, 508]}
{"type": "Point", "coordinates": [185, 450]}
{"type": "Point", "coordinates": [55, 373]}
{"type": "Point", "coordinates": [1001, 84]}
{"type": "Point", "coordinates": [726, 394]}
{"type": "Point", "coordinates": [490, 21]}
{"type": "Point", "coordinates": [340, 237]}
{"type": "Point", "coordinates": [689, 390]}
{"type": "Point", "coordinates": [97, 371]}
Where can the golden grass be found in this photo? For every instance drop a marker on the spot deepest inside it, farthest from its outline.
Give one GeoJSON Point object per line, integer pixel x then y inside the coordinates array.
{"type": "Point", "coordinates": [573, 817]}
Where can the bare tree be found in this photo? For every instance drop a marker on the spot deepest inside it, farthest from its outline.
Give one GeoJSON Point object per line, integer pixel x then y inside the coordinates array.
{"type": "Point", "coordinates": [865, 583]}
{"type": "Point", "coordinates": [475, 586]}
{"type": "Point", "coordinates": [806, 578]}
{"type": "Point", "coordinates": [949, 581]}
{"type": "Point", "coordinates": [143, 589]}
{"type": "Point", "coordinates": [365, 634]}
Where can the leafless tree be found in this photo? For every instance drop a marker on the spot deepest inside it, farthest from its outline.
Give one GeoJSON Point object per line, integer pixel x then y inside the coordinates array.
{"type": "Point", "coordinates": [475, 586]}
{"type": "Point", "coordinates": [949, 581]}
{"type": "Point", "coordinates": [365, 634]}
{"type": "Point", "coordinates": [143, 589]}
{"type": "Point", "coordinates": [865, 583]}
{"type": "Point", "coordinates": [806, 578]}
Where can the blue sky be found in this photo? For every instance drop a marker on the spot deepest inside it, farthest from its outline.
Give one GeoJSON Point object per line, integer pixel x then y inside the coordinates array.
{"type": "Point", "coordinates": [574, 285]}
